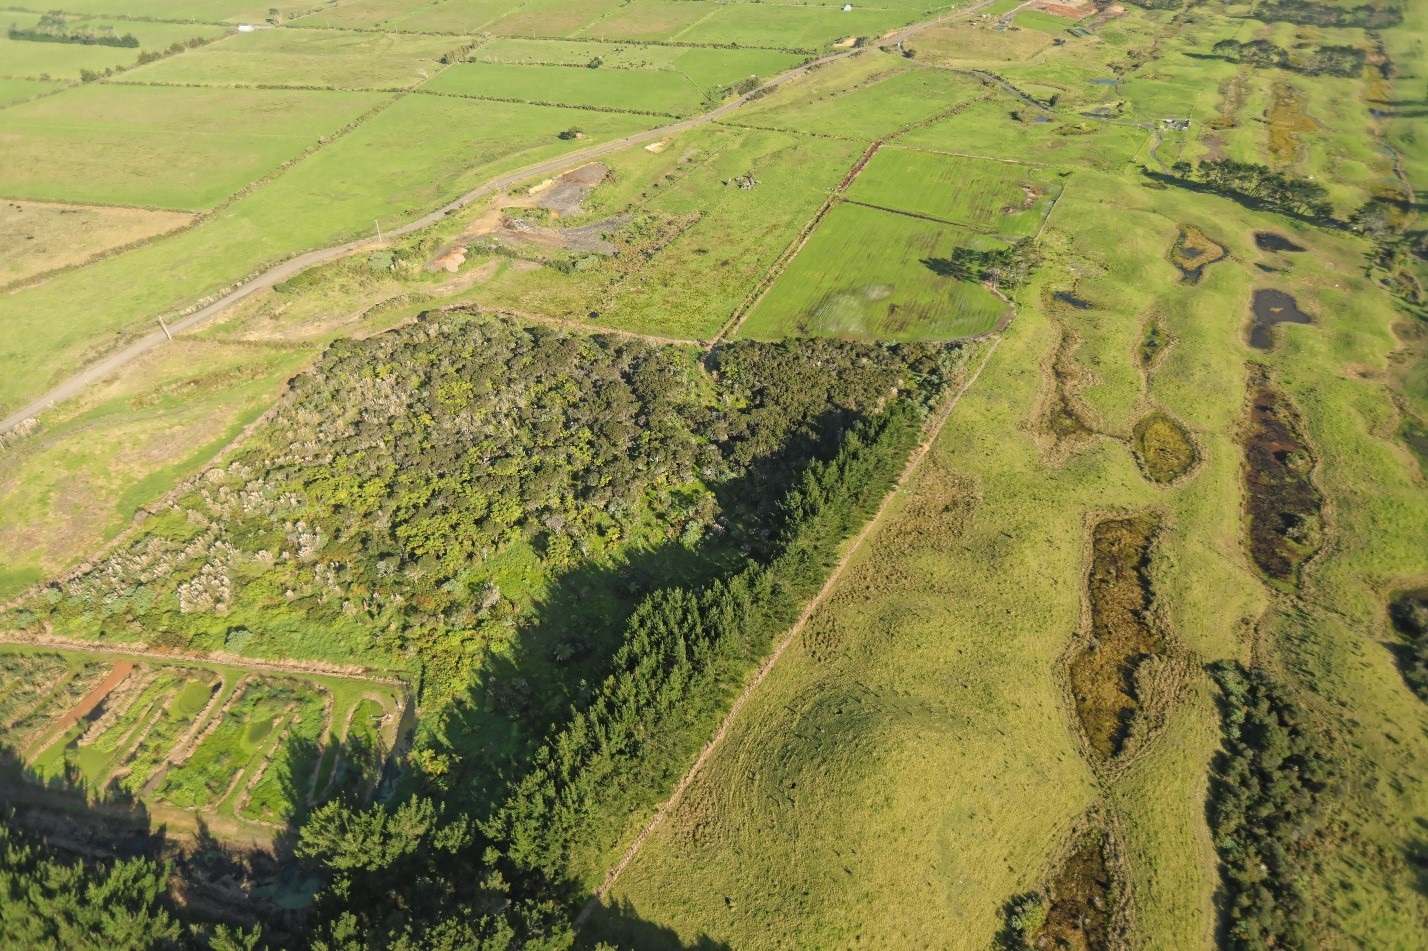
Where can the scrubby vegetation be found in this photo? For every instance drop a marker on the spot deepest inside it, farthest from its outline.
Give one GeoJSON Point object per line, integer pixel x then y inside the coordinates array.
{"type": "Point", "coordinates": [1267, 804]}
{"type": "Point", "coordinates": [1320, 61]}
{"type": "Point", "coordinates": [54, 28]}
{"type": "Point", "coordinates": [1283, 503]}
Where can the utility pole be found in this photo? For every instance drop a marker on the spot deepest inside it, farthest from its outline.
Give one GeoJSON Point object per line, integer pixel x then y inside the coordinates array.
{"type": "Point", "coordinates": [166, 329]}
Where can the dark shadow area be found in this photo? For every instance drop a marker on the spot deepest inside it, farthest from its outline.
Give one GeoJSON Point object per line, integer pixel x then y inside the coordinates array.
{"type": "Point", "coordinates": [617, 923]}
{"type": "Point", "coordinates": [1239, 198]}
{"type": "Point", "coordinates": [1415, 853]}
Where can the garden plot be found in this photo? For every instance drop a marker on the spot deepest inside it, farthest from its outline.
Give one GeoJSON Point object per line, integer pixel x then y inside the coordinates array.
{"type": "Point", "coordinates": [251, 745]}
{"type": "Point", "coordinates": [995, 197]}
{"type": "Point", "coordinates": [161, 148]}
{"type": "Point", "coordinates": [292, 57]}
{"type": "Point", "coordinates": [871, 274]}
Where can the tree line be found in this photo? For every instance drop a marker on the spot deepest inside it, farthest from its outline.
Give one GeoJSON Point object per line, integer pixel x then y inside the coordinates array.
{"type": "Point", "coordinates": [1275, 190]}
{"type": "Point", "coordinates": [1322, 61]}
{"type": "Point", "coordinates": [53, 28]}
{"type": "Point", "coordinates": [1309, 13]}
{"type": "Point", "coordinates": [1267, 804]}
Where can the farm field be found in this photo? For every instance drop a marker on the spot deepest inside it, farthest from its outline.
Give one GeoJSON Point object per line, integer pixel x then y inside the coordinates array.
{"type": "Point", "coordinates": [871, 274]}
{"type": "Point", "coordinates": [36, 237]}
{"type": "Point", "coordinates": [994, 197]}
{"type": "Point", "coordinates": [402, 162]}
{"type": "Point", "coordinates": [64, 61]}
{"type": "Point", "coordinates": [663, 92]}
{"type": "Point", "coordinates": [969, 495]}
{"type": "Point", "coordinates": [307, 58]}
{"type": "Point", "coordinates": [160, 148]}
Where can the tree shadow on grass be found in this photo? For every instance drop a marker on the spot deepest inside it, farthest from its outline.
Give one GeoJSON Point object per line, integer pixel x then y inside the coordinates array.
{"type": "Point", "coordinates": [619, 924]}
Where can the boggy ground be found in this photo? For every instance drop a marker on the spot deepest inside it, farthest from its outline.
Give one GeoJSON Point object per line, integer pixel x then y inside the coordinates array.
{"type": "Point", "coordinates": [1163, 448]}
{"type": "Point", "coordinates": [1123, 633]}
{"type": "Point", "coordinates": [1081, 900]}
{"type": "Point", "coordinates": [1283, 505]}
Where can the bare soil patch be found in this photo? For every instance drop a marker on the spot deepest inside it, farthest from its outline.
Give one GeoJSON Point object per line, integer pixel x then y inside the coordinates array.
{"type": "Point", "coordinates": [1283, 518]}
{"type": "Point", "coordinates": [1123, 632]}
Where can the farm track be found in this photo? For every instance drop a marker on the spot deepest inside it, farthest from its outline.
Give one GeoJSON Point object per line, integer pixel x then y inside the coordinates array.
{"type": "Point", "coordinates": [932, 429]}
{"type": "Point", "coordinates": [293, 266]}
{"type": "Point", "coordinates": [171, 658]}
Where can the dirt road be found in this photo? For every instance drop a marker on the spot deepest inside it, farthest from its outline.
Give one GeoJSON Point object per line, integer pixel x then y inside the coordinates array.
{"type": "Point", "coordinates": [934, 426]}
{"type": "Point", "coordinates": [302, 262]}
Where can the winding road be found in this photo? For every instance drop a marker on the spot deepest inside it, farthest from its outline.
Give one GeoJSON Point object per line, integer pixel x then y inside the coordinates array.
{"type": "Point", "coordinates": [293, 266]}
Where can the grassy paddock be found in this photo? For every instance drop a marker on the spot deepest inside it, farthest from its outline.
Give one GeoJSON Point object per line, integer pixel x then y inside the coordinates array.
{"type": "Point", "coordinates": [293, 57]}
{"type": "Point", "coordinates": [864, 274]}
{"type": "Point", "coordinates": [634, 89]}
{"type": "Point", "coordinates": [448, 16]}
{"type": "Point", "coordinates": [161, 148]}
{"type": "Point", "coordinates": [36, 237]}
{"type": "Point", "coordinates": [996, 197]}
{"type": "Point", "coordinates": [26, 58]}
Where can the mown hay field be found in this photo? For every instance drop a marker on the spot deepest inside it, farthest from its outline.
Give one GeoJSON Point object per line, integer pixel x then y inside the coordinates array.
{"type": "Point", "coordinates": [871, 274]}
{"type": "Point", "coordinates": [656, 91]}
{"type": "Point", "coordinates": [1002, 198]}
{"type": "Point", "coordinates": [296, 57]}
{"type": "Point", "coordinates": [181, 149]}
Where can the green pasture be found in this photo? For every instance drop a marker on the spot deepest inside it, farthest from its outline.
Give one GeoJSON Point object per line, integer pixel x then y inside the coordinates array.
{"type": "Point", "coordinates": [790, 27]}
{"type": "Point", "coordinates": [1044, 22]}
{"type": "Point", "coordinates": [694, 283]}
{"type": "Point", "coordinates": [292, 57]}
{"type": "Point", "coordinates": [987, 196]}
{"type": "Point", "coordinates": [38, 237]}
{"type": "Point", "coordinates": [552, 18]}
{"type": "Point", "coordinates": [987, 129]}
{"type": "Point", "coordinates": [14, 90]}
{"type": "Point", "coordinates": [522, 51]}
{"type": "Point", "coordinates": [405, 161]}
{"type": "Point", "coordinates": [63, 61]}
{"type": "Point", "coordinates": [197, 11]}
{"type": "Point", "coordinates": [861, 101]}
{"type": "Point", "coordinates": [446, 16]}
{"type": "Point", "coordinates": [869, 274]}
{"type": "Point", "coordinates": [1002, 6]}
{"type": "Point", "coordinates": [160, 147]}
{"type": "Point", "coordinates": [649, 20]}
{"type": "Point", "coordinates": [663, 92]}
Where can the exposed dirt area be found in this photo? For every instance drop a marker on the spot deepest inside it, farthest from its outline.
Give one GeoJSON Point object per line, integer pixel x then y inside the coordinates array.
{"type": "Point", "coordinates": [95, 697]}
{"type": "Point", "coordinates": [1284, 520]}
{"type": "Point", "coordinates": [1193, 251]}
{"type": "Point", "coordinates": [1123, 632]}
{"type": "Point", "coordinates": [1287, 121]}
{"type": "Point", "coordinates": [1163, 448]}
{"type": "Point", "coordinates": [1080, 901]}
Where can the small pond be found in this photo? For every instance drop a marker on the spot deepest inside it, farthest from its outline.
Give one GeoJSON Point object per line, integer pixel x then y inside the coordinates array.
{"type": "Point", "coordinates": [1273, 307]}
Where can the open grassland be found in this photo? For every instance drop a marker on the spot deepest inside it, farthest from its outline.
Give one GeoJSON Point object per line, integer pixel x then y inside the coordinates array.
{"type": "Point", "coordinates": [554, 18]}
{"type": "Point", "coordinates": [161, 148]}
{"type": "Point", "coordinates": [867, 273]}
{"type": "Point", "coordinates": [406, 160]}
{"type": "Point", "coordinates": [994, 197]}
{"type": "Point", "coordinates": [652, 20]}
{"type": "Point", "coordinates": [639, 90]}
{"type": "Point", "coordinates": [977, 42]}
{"type": "Point", "coordinates": [32, 60]}
{"type": "Point", "coordinates": [705, 68]}
{"type": "Point", "coordinates": [830, 795]}
{"type": "Point", "coordinates": [310, 58]}
{"type": "Point", "coordinates": [36, 237]}
{"type": "Point", "coordinates": [864, 99]}
{"type": "Point", "coordinates": [1042, 22]}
